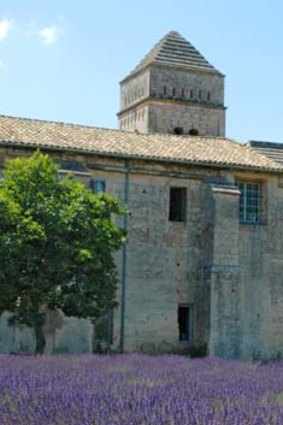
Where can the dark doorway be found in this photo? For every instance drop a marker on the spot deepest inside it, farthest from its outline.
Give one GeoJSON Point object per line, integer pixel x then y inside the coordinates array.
{"type": "Point", "coordinates": [185, 322]}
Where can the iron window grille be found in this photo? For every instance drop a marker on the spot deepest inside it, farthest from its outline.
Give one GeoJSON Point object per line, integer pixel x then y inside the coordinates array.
{"type": "Point", "coordinates": [250, 202]}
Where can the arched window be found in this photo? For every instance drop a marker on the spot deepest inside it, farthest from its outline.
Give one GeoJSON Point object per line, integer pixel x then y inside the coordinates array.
{"type": "Point", "coordinates": [193, 132]}
{"type": "Point", "coordinates": [178, 130]}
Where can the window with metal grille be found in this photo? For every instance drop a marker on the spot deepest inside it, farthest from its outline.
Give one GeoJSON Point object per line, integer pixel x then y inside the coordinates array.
{"type": "Point", "coordinates": [250, 202]}
{"type": "Point", "coordinates": [177, 207]}
{"type": "Point", "coordinates": [97, 185]}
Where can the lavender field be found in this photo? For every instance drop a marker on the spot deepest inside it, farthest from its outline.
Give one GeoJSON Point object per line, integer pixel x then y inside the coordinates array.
{"type": "Point", "coordinates": [139, 390]}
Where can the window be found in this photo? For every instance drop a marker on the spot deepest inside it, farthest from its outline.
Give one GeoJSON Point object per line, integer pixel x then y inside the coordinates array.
{"type": "Point", "coordinates": [177, 207]}
{"type": "Point", "coordinates": [173, 92]}
{"type": "Point", "coordinates": [185, 322]}
{"type": "Point", "coordinates": [164, 90]}
{"type": "Point", "coordinates": [250, 201]}
{"type": "Point", "coordinates": [183, 93]}
{"type": "Point", "coordinates": [208, 96]}
{"type": "Point", "coordinates": [97, 185]}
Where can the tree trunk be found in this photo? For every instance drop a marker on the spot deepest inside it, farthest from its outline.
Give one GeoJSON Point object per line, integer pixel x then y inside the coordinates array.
{"type": "Point", "coordinates": [40, 339]}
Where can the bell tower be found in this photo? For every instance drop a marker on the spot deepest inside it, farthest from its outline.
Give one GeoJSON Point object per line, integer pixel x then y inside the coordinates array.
{"type": "Point", "coordinates": [174, 89]}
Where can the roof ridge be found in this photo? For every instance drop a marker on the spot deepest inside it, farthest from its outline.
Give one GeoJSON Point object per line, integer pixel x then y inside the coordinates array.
{"type": "Point", "coordinates": [41, 120]}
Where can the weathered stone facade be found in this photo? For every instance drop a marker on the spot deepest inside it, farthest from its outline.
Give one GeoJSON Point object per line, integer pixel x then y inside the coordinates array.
{"type": "Point", "coordinates": [203, 260]}
{"type": "Point", "coordinates": [230, 273]}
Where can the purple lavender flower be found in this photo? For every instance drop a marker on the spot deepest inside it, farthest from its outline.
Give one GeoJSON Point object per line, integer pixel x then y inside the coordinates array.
{"type": "Point", "coordinates": [139, 390]}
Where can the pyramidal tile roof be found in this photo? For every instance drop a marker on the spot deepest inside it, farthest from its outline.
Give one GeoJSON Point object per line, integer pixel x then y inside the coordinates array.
{"type": "Point", "coordinates": [175, 50]}
{"type": "Point", "coordinates": [190, 150]}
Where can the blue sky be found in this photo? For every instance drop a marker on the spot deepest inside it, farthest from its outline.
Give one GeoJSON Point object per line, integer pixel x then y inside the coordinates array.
{"type": "Point", "coordinates": [62, 60]}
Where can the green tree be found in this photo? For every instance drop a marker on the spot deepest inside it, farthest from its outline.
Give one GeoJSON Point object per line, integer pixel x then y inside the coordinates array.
{"type": "Point", "coordinates": [57, 241]}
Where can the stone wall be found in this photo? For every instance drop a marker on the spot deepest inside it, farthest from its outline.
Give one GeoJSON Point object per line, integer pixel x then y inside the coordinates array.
{"type": "Point", "coordinates": [135, 118]}
{"type": "Point", "coordinates": [134, 89]}
{"type": "Point", "coordinates": [160, 100]}
{"type": "Point", "coordinates": [63, 335]}
{"type": "Point", "coordinates": [133, 112]}
{"type": "Point", "coordinates": [261, 248]}
{"type": "Point", "coordinates": [225, 337]}
{"type": "Point", "coordinates": [206, 87]}
{"type": "Point", "coordinates": [163, 261]}
{"type": "Point", "coordinates": [167, 116]}
{"type": "Point", "coordinates": [230, 273]}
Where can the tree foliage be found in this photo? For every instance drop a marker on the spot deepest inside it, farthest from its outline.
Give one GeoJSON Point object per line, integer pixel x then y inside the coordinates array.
{"type": "Point", "coordinates": [57, 241]}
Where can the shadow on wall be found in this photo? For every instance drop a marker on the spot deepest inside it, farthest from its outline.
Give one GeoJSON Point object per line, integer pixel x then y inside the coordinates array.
{"type": "Point", "coordinates": [63, 335]}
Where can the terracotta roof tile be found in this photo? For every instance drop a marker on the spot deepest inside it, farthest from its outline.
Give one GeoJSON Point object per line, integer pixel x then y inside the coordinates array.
{"type": "Point", "coordinates": [184, 149]}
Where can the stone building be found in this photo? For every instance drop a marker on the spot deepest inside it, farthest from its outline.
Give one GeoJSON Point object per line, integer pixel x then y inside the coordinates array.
{"type": "Point", "coordinates": [203, 261]}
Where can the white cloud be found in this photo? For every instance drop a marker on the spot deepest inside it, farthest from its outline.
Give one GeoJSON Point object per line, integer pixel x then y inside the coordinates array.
{"type": "Point", "coordinates": [5, 26]}
{"type": "Point", "coordinates": [50, 34]}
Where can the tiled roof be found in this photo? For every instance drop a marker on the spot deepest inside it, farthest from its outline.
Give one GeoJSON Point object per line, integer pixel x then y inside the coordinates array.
{"type": "Point", "coordinates": [271, 150]}
{"type": "Point", "coordinates": [175, 50]}
{"type": "Point", "coordinates": [163, 147]}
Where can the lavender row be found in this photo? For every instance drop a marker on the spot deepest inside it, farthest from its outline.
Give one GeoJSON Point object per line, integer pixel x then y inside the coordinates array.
{"type": "Point", "coordinates": [139, 390]}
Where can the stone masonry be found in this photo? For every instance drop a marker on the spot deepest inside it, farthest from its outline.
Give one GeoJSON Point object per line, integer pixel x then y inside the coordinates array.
{"type": "Point", "coordinates": [167, 94]}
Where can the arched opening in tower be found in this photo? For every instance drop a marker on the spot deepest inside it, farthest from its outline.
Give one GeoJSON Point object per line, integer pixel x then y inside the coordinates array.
{"type": "Point", "coordinates": [178, 130]}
